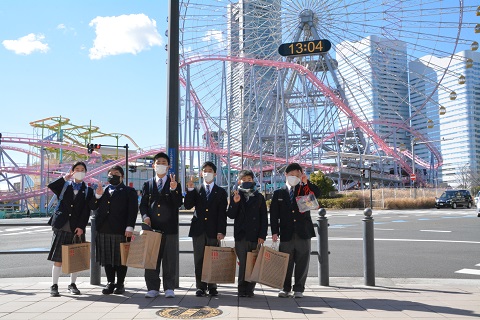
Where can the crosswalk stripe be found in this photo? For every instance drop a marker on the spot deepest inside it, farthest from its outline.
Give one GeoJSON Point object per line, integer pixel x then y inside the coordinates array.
{"type": "Point", "coordinates": [469, 271]}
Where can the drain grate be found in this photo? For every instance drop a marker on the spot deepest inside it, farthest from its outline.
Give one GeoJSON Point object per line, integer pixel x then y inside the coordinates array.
{"type": "Point", "coordinates": [189, 313]}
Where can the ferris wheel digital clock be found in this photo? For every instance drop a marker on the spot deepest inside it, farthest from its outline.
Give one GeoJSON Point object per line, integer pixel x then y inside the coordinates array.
{"type": "Point", "coordinates": [304, 47]}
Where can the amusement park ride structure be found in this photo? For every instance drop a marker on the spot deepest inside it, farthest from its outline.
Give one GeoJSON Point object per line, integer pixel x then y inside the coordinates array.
{"type": "Point", "coordinates": [244, 106]}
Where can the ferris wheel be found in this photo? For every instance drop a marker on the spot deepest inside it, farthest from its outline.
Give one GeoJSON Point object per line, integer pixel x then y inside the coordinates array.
{"type": "Point", "coordinates": [354, 81]}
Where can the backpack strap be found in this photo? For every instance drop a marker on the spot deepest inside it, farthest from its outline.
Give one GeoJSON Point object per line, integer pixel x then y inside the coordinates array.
{"type": "Point", "coordinates": [60, 197]}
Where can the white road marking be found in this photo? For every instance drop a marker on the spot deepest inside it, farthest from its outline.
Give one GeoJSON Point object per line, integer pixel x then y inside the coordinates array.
{"type": "Point", "coordinates": [477, 265]}
{"type": "Point", "coordinates": [435, 231]}
{"type": "Point", "coordinates": [469, 271]}
{"type": "Point", "coordinates": [383, 229]}
{"type": "Point", "coordinates": [405, 240]}
{"type": "Point", "coordinates": [49, 229]}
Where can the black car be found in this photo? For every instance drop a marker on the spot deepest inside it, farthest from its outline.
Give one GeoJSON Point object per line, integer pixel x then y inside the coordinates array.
{"type": "Point", "coordinates": [454, 199]}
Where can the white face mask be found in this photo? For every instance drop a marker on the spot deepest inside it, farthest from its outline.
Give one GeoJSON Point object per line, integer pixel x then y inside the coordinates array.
{"type": "Point", "coordinates": [161, 169]}
{"type": "Point", "coordinates": [79, 175]}
{"type": "Point", "coordinates": [293, 180]}
{"type": "Point", "coordinates": [208, 176]}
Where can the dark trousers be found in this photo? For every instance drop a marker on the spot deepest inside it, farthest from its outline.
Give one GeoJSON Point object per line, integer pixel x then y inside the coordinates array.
{"type": "Point", "coordinates": [199, 244]}
{"type": "Point", "coordinates": [167, 257]}
{"type": "Point", "coordinates": [299, 250]}
{"type": "Point", "coordinates": [241, 248]}
{"type": "Point", "coordinates": [111, 270]}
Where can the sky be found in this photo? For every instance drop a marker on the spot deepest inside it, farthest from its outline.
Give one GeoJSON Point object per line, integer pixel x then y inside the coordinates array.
{"type": "Point", "coordinates": [90, 60]}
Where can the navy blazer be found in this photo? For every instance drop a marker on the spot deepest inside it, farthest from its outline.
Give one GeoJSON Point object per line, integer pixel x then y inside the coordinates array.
{"type": "Point", "coordinates": [251, 219]}
{"type": "Point", "coordinates": [117, 211]}
{"type": "Point", "coordinates": [161, 207]}
{"type": "Point", "coordinates": [286, 219]}
{"type": "Point", "coordinates": [75, 209]}
{"type": "Point", "coordinates": [210, 216]}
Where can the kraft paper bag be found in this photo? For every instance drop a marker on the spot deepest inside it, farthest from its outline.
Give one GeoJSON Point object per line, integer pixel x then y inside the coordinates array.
{"type": "Point", "coordinates": [75, 257]}
{"type": "Point", "coordinates": [250, 263]}
{"type": "Point", "coordinates": [144, 250]}
{"type": "Point", "coordinates": [124, 249]}
{"type": "Point", "coordinates": [219, 265]}
{"type": "Point", "coordinates": [270, 268]}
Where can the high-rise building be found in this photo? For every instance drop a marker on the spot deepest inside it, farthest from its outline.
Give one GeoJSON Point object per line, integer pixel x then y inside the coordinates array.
{"type": "Point", "coordinates": [254, 31]}
{"type": "Point", "coordinates": [373, 74]}
{"type": "Point", "coordinates": [454, 111]}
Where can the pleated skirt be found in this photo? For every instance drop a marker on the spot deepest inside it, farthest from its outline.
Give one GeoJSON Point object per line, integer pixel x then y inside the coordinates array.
{"type": "Point", "coordinates": [59, 238]}
{"type": "Point", "coordinates": [108, 248]}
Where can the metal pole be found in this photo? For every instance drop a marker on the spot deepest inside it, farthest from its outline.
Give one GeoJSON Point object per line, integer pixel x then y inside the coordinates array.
{"type": "Point", "coordinates": [368, 249]}
{"type": "Point", "coordinates": [370, 183]}
{"type": "Point", "coordinates": [173, 97]}
{"type": "Point", "coordinates": [126, 164]}
{"type": "Point", "coordinates": [413, 169]}
{"type": "Point", "coordinates": [94, 266]}
{"type": "Point", "coordinates": [322, 247]}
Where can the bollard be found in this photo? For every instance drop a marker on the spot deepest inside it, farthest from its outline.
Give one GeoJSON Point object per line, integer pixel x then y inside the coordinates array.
{"type": "Point", "coordinates": [368, 249]}
{"type": "Point", "coordinates": [322, 247]}
{"type": "Point", "coordinates": [94, 266]}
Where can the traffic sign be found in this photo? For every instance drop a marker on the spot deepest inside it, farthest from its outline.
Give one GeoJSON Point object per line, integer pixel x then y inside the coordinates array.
{"type": "Point", "coordinates": [413, 177]}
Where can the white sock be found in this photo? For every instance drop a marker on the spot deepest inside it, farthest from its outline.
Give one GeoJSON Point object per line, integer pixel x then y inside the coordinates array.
{"type": "Point", "coordinates": [73, 277]}
{"type": "Point", "coordinates": [56, 274]}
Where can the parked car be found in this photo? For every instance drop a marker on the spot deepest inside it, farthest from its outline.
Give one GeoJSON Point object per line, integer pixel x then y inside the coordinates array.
{"type": "Point", "coordinates": [478, 208]}
{"type": "Point", "coordinates": [453, 199]}
{"type": "Point", "coordinates": [476, 198]}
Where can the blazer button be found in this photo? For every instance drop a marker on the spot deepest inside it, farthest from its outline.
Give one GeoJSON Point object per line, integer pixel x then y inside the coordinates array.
{"type": "Point", "coordinates": [206, 210]}
{"type": "Point", "coordinates": [69, 214]}
{"type": "Point", "coordinates": [159, 206]}
{"type": "Point", "coordinates": [158, 215]}
{"type": "Point", "coordinates": [293, 211]}
{"type": "Point", "coordinates": [206, 218]}
{"type": "Point", "coordinates": [294, 220]}
{"type": "Point", "coordinates": [71, 205]}
{"type": "Point", "coordinates": [108, 202]}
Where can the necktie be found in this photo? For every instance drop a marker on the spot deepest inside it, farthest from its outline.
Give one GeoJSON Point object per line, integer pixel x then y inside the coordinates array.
{"type": "Point", "coordinates": [160, 185]}
{"type": "Point", "coordinates": [292, 195]}
{"type": "Point", "coordinates": [76, 186]}
{"type": "Point", "coordinates": [208, 191]}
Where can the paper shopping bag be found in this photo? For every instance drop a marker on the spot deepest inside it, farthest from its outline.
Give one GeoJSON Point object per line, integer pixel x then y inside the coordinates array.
{"type": "Point", "coordinates": [219, 265]}
{"type": "Point", "coordinates": [249, 264]}
{"type": "Point", "coordinates": [270, 268]}
{"type": "Point", "coordinates": [144, 250]}
{"type": "Point", "coordinates": [75, 257]}
{"type": "Point", "coordinates": [124, 249]}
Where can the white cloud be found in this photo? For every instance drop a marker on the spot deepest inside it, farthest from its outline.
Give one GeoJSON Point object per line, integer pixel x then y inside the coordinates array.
{"type": "Point", "coordinates": [27, 45]}
{"type": "Point", "coordinates": [123, 34]}
{"type": "Point", "coordinates": [61, 26]}
{"type": "Point", "coordinates": [213, 35]}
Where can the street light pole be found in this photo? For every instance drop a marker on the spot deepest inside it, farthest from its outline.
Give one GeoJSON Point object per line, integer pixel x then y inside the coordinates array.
{"type": "Point", "coordinates": [413, 169]}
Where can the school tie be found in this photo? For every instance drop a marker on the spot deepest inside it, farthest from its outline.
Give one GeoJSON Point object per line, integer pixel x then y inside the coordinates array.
{"type": "Point", "coordinates": [208, 191]}
{"type": "Point", "coordinates": [160, 185]}
{"type": "Point", "coordinates": [292, 195]}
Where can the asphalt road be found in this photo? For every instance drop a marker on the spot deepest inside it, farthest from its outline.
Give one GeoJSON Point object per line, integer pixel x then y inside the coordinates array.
{"type": "Point", "coordinates": [408, 244]}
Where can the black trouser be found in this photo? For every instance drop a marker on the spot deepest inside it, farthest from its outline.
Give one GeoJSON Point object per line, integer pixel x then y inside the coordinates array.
{"type": "Point", "coordinates": [241, 248]}
{"type": "Point", "coordinates": [299, 250]}
{"type": "Point", "coordinates": [167, 257]}
{"type": "Point", "coordinates": [199, 244]}
{"type": "Point", "coordinates": [121, 272]}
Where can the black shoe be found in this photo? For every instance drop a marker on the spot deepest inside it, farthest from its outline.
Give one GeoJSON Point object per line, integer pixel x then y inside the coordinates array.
{"type": "Point", "coordinates": [54, 291]}
{"type": "Point", "coordinates": [200, 293]}
{"type": "Point", "coordinates": [213, 292]}
{"type": "Point", "coordinates": [119, 289]}
{"type": "Point", "coordinates": [242, 294]}
{"type": "Point", "coordinates": [73, 289]}
{"type": "Point", "coordinates": [250, 294]}
{"type": "Point", "coordinates": [109, 288]}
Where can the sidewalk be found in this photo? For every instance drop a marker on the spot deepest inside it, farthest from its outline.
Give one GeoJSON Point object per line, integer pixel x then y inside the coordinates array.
{"type": "Point", "coordinates": [345, 298]}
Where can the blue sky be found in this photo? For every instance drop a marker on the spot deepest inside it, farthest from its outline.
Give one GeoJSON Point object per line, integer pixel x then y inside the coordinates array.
{"type": "Point", "coordinates": [103, 61]}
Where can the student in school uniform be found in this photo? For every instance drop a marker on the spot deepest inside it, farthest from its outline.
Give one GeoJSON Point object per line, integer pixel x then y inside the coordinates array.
{"type": "Point", "coordinates": [117, 210]}
{"type": "Point", "coordinates": [294, 228]}
{"type": "Point", "coordinates": [75, 212]}
{"type": "Point", "coordinates": [209, 222]}
{"type": "Point", "coordinates": [159, 207]}
{"type": "Point", "coordinates": [249, 210]}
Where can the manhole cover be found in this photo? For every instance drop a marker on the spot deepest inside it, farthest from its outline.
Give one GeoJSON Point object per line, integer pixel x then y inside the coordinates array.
{"type": "Point", "coordinates": [189, 313]}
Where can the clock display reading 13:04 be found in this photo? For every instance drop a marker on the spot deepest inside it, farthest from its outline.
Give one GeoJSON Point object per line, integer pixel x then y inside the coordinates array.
{"type": "Point", "coordinates": [304, 47]}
